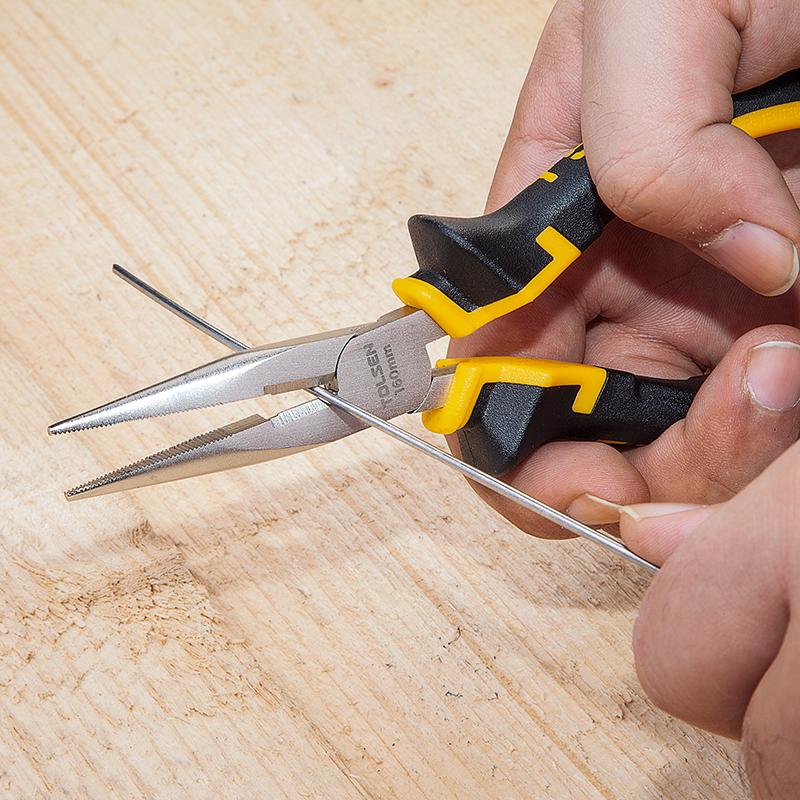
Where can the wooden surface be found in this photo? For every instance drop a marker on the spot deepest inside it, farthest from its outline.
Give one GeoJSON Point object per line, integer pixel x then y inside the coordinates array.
{"type": "Point", "coordinates": [347, 623]}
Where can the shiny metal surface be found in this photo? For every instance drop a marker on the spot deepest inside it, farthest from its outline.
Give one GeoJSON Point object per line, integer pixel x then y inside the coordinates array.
{"type": "Point", "coordinates": [441, 379]}
{"type": "Point", "coordinates": [252, 440]}
{"type": "Point", "coordinates": [393, 348]}
{"type": "Point", "coordinates": [270, 369]}
{"type": "Point", "coordinates": [179, 311]}
{"type": "Point", "coordinates": [395, 344]}
{"type": "Point", "coordinates": [387, 370]}
{"type": "Point", "coordinates": [473, 473]}
{"type": "Point", "coordinates": [383, 366]}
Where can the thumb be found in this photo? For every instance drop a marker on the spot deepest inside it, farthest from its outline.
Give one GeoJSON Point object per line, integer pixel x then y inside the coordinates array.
{"type": "Point", "coordinates": [771, 729]}
{"type": "Point", "coordinates": [656, 108]}
{"type": "Point", "coordinates": [744, 416]}
{"type": "Point", "coordinates": [654, 530]}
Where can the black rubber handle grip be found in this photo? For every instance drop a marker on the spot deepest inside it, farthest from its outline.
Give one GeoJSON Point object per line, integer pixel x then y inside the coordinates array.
{"type": "Point", "coordinates": [479, 261]}
{"type": "Point", "coordinates": [510, 421]}
{"type": "Point", "coordinates": [474, 270]}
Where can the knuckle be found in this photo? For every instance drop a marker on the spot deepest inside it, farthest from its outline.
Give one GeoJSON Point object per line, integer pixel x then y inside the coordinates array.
{"type": "Point", "coordinates": [644, 188]}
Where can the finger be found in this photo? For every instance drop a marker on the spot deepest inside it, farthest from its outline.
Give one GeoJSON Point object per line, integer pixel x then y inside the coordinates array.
{"type": "Point", "coordinates": [771, 730]}
{"type": "Point", "coordinates": [654, 530]}
{"type": "Point", "coordinates": [715, 616]}
{"type": "Point", "coordinates": [744, 416]}
{"type": "Point", "coordinates": [561, 472]}
{"type": "Point", "coordinates": [656, 109]}
{"type": "Point", "coordinates": [546, 123]}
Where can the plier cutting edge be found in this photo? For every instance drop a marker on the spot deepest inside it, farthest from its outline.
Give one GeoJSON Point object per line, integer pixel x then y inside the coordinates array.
{"type": "Point", "coordinates": [471, 272]}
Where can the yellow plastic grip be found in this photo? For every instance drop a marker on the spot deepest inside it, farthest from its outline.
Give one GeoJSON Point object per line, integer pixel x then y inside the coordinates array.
{"type": "Point", "coordinates": [472, 374]}
{"type": "Point", "coordinates": [784, 117]}
{"type": "Point", "coordinates": [456, 321]}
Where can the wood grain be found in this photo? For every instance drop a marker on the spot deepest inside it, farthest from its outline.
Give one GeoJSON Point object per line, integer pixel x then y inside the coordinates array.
{"type": "Point", "coordinates": [348, 623]}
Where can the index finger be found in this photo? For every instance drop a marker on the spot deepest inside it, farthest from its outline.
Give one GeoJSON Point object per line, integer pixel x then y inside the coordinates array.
{"type": "Point", "coordinates": [656, 108]}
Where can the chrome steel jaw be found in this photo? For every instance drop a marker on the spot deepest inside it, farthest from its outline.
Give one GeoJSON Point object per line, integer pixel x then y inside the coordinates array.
{"type": "Point", "coordinates": [383, 367]}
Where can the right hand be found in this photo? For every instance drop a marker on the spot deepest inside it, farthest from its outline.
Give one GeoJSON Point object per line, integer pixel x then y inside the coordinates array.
{"type": "Point", "coordinates": [667, 291]}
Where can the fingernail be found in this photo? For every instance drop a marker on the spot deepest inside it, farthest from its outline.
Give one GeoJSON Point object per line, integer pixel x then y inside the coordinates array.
{"type": "Point", "coordinates": [591, 510]}
{"type": "Point", "coordinates": [759, 257]}
{"type": "Point", "coordinates": [772, 375]}
{"type": "Point", "coordinates": [639, 511]}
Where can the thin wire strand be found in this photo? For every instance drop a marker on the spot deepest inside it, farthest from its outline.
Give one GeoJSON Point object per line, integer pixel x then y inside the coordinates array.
{"type": "Point", "coordinates": [177, 310]}
{"type": "Point", "coordinates": [473, 473]}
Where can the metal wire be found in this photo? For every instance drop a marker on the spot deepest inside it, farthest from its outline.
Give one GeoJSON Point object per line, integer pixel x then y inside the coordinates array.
{"type": "Point", "coordinates": [473, 473]}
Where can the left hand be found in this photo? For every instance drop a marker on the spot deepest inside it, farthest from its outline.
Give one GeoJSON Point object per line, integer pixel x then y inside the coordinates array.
{"type": "Point", "coordinates": [717, 639]}
{"type": "Point", "coordinates": [643, 304]}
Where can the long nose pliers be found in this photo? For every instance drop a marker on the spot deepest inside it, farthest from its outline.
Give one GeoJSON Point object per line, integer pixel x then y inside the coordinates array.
{"type": "Point", "coordinates": [471, 271]}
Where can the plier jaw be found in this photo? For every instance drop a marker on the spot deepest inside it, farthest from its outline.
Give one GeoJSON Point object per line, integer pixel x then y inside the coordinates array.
{"type": "Point", "coordinates": [383, 367]}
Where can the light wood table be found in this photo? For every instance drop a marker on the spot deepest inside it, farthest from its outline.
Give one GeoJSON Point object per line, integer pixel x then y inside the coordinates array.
{"type": "Point", "coordinates": [347, 623]}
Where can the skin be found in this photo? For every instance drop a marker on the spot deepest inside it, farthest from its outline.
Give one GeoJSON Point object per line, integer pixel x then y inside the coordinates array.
{"type": "Point", "coordinates": [717, 639]}
{"type": "Point", "coordinates": [644, 298]}
{"type": "Point", "coordinates": [675, 288]}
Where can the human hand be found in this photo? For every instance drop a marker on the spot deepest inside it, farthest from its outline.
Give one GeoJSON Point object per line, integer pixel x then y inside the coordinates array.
{"type": "Point", "coordinates": [717, 640]}
{"type": "Point", "coordinates": [652, 109]}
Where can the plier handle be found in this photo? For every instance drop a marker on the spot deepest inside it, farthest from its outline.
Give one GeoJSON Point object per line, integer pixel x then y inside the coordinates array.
{"type": "Point", "coordinates": [471, 271]}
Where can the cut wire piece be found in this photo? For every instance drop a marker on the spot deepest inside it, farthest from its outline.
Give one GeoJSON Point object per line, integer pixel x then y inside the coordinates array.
{"type": "Point", "coordinates": [329, 398]}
